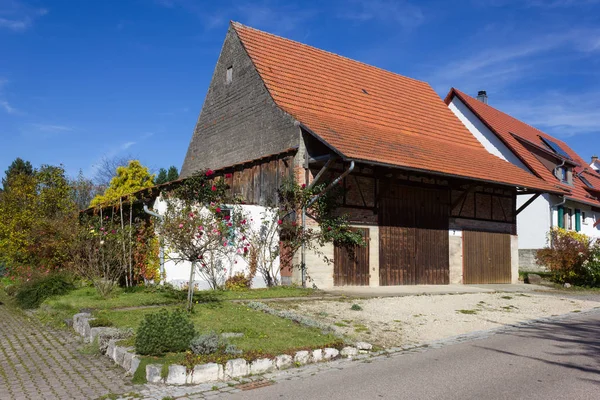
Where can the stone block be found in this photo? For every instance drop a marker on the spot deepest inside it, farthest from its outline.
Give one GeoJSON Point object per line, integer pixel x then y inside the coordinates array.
{"type": "Point", "coordinates": [302, 357]}
{"type": "Point", "coordinates": [128, 360]}
{"type": "Point", "coordinates": [153, 373]}
{"type": "Point", "coordinates": [236, 368]}
{"type": "Point", "coordinates": [120, 354]}
{"type": "Point", "coordinates": [261, 366]}
{"type": "Point", "coordinates": [284, 361]}
{"type": "Point", "coordinates": [135, 363]}
{"type": "Point", "coordinates": [78, 322]}
{"type": "Point", "coordinates": [177, 375]}
{"type": "Point", "coordinates": [364, 346]}
{"type": "Point", "coordinates": [110, 348]}
{"type": "Point", "coordinates": [205, 373]}
{"type": "Point", "coordinates": [330, 353]}
{"type": "Point", "coordinates": [349, 352]}
{"type": "Point", "coordinates": [317, 355]}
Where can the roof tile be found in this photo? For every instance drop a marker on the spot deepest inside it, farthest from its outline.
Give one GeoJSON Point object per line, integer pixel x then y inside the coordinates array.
{"type": "Point", "coordinates": [373, 115]}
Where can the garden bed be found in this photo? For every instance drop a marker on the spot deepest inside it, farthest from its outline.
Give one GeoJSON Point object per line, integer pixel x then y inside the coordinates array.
{"type": "Point", "coordinates": [255, 334]}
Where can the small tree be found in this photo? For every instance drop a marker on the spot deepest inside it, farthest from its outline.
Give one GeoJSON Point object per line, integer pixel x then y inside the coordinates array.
{"type": "Point", "coordinates": [199, 228]}
{"type": "Point", "coordinates": [128, 180]}
{"type": "Point", "coordinates": [97, 253]}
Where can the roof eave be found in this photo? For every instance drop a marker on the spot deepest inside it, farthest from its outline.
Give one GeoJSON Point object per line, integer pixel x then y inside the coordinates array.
{"type": "Point", "coordinates": [444, 174]}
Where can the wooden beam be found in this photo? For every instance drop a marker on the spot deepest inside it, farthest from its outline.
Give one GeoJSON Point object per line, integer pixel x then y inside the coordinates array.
{"type": "Point", "coordinates": [462, 197]}
{"type": "Point", "coordinates": [527, 203]}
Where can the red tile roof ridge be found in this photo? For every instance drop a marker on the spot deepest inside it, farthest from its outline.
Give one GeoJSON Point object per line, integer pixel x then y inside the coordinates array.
{"type": "Point", "coordinates": [238, 25]}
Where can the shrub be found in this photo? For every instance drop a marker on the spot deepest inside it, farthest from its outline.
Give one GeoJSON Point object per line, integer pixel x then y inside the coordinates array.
{"type": "Point", "coordinates": [164, 332]}
{"type": "Point", "coordinates": [238, 281]}
{"type": "Point", "coordinates": [33, 293]}
{"type": "Point", "coordinates": [571, 257]}
{"type": "Point", "coordinates": [356, 307]}
{"type": "Point", "coordinates": [206, 344]}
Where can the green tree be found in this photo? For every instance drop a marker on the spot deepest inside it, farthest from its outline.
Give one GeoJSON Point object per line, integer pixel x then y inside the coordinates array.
{"type": "Point", "coordinates": [128, 180]}
{"type": "Point", "coordinates": [37, 219]}
{"type": "Point", "coordinates": [17, 167]}
{"type": "Point", "coordinates": [161, 177]}
{"type": "Point", "coordinates": [173, 174]}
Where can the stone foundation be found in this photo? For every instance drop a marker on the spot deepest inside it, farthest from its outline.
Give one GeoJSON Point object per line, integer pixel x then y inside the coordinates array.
{"type": "Point", "coordinates": [527, 261]}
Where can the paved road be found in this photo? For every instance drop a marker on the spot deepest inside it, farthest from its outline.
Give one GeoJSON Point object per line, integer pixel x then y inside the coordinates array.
{"type": "Point", "coordinates": [550, 360]}
{"type": "Point", "coordinates": [39, 363]}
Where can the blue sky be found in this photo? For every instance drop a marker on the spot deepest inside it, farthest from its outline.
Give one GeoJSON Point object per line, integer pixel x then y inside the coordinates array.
{"type": "Point", "coordinates": [86, 79]}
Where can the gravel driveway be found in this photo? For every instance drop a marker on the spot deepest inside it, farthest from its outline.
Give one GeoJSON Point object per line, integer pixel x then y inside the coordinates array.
{"type": "Point", "coordinates": [414, 320]}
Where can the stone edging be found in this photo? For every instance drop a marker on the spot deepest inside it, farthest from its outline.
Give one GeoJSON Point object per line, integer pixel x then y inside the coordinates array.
{"type": "Point", "coordinates": [107, 338]}
{"type": "Point", "coordinates": [204, 373]}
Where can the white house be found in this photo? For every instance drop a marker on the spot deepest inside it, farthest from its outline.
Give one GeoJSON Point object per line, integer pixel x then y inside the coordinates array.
{"type": "Point", "coordinates": [543, 156]}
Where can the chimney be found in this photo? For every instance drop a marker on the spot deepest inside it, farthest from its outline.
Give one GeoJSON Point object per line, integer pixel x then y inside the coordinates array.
{"type": "Point", "coordinates": [594, 159]}
{"type": "Point", "coordinates": [482, 96]}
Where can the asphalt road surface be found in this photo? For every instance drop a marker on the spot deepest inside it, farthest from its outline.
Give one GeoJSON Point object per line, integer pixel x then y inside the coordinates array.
{"type": "Point", "coordinates": [548, 360]}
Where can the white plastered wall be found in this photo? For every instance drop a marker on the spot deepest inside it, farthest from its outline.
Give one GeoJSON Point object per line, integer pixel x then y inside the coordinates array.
{"type": "Point", "coordinates": [178, 274]}
{"type": "Point", "coordinates": [533, 223]}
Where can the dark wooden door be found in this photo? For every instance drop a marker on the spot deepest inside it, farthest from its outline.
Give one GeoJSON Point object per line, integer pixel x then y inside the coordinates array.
{"type": "Point", "coordinates": [413, 232]}
{"type": "Point", "coordinates": [352, 267]}
{"type": "Point", "coordinates": [486, 257]}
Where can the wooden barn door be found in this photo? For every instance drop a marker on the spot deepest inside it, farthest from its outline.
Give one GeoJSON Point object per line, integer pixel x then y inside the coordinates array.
{"type": "Point", "coordinates": [413, 232]}
{"type": "Point", "coordinates": [352, 267]}
{"type": "Point", "coordinates": [486, 257]}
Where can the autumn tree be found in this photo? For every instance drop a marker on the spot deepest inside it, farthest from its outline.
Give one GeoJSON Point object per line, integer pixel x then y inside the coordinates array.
{"type": "Point", "coordinates": [37, 218]}
{"type": "Point", "coordinates": [106, 169]}
{"type": "Point", "coordinates": [128, 180]}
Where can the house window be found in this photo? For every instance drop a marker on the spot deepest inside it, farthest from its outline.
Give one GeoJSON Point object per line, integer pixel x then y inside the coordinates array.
{"type": "Point", "coordinates": [229, 75]}
{"type": "Point", "coordinates": [563, 174]}
{"type": "Point", "coordinates": [583, 218]}
{"type": "Point", "coordinates": [568, 219]}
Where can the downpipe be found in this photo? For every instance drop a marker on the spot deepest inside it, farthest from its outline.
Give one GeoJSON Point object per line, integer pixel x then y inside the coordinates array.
{"type": "Point", "coordinates": [310, 203]}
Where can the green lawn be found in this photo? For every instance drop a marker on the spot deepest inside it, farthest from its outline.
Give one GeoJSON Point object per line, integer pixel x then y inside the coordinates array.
{"type": "Point", "coordinates": [138, 297]}
{"type": "Point", "coordinates": [262, 332]}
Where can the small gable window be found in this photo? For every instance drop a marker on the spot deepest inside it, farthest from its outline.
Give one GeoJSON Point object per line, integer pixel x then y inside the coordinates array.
{"type": "Point", "coordinates": [229, 75]}
{"type": "Point", "coordinates": [564, 174]}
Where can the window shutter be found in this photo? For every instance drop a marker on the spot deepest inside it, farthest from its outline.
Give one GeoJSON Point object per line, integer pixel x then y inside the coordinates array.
{"type": "Point", "coordinates": [561, 217]}
{"type": "Point", "coordinates": [577, 220]}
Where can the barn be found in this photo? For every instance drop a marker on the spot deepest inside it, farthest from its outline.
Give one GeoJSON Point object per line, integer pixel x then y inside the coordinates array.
{"type": "Point", "coordinates": [433, 205]}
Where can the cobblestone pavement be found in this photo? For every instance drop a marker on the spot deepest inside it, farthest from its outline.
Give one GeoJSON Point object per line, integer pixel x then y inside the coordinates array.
{"type": "Point", "coordinates": [40, 363]}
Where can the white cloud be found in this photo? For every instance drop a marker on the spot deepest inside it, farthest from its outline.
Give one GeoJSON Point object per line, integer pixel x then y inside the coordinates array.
{"type": "Point", "coordinates": [401, 12]}
{"type": "Point", "coordinates": [126, 145]}
{"type": "Point", "coordinates": [496, 66]}
{"type": "Point", "coordinates": [558, 113]}
{"type": "Point", "coordinates": [17, 16]}
{"type": "Point", "coordinates": [8, 108]}
{"type": "Point", "coordinates": [51, 128]}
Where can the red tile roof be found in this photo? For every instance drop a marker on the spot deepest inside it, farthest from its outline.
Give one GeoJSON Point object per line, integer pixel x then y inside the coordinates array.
{"type": "Point", "coordinates": [372, 115]}
{"type": "Point", "coordinates": [515, 133]}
